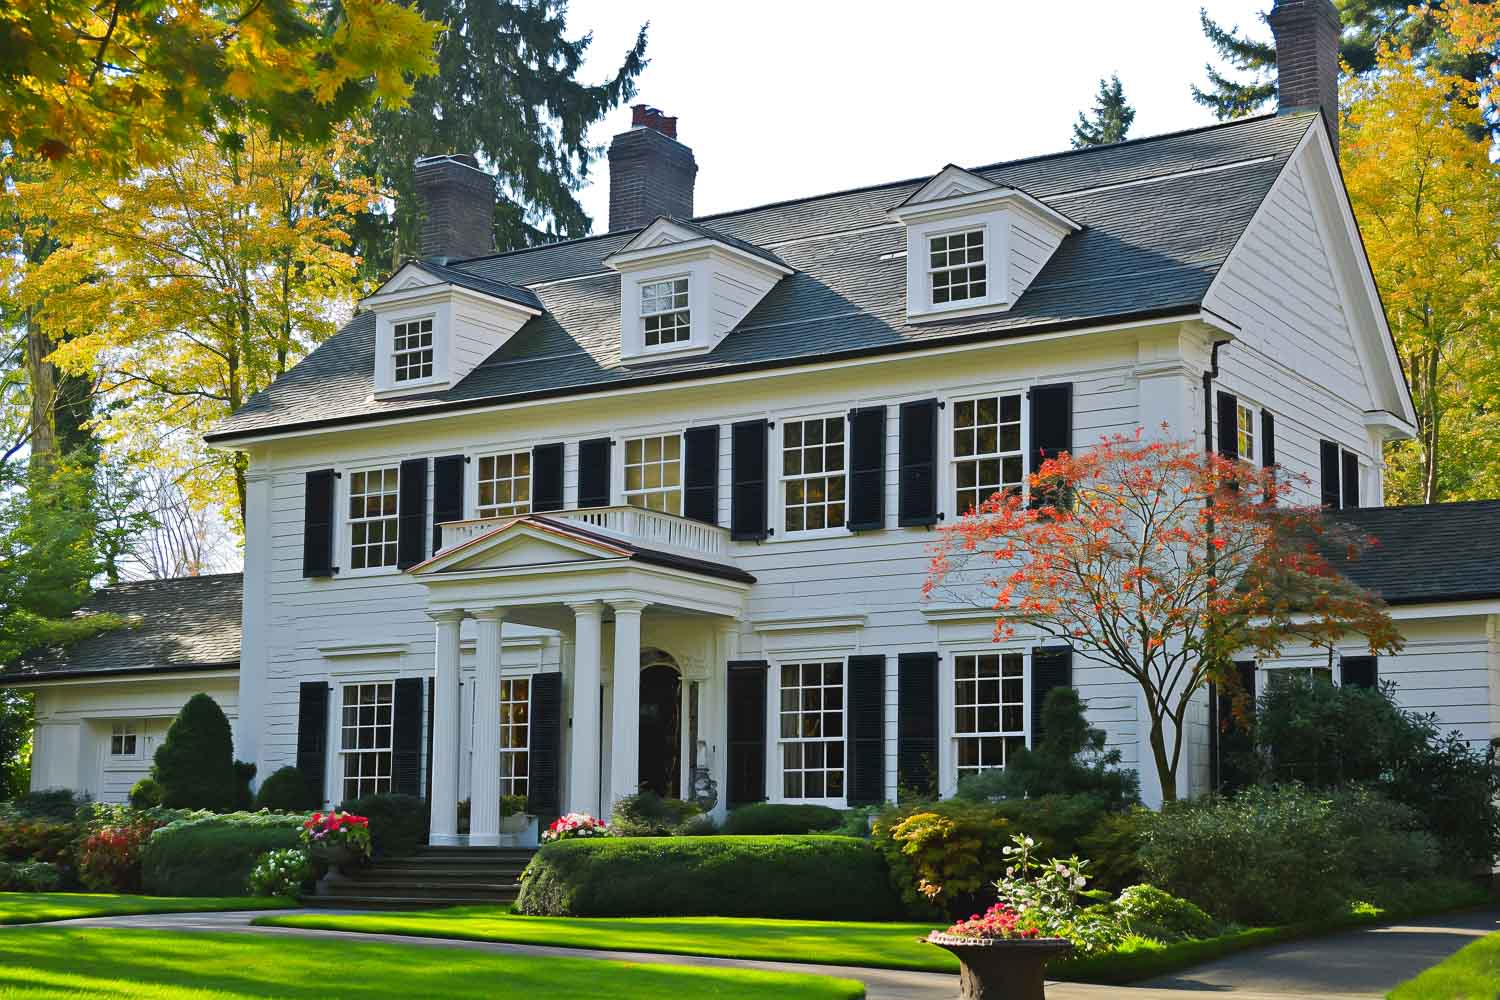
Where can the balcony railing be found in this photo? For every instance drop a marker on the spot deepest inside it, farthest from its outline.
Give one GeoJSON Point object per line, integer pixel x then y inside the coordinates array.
{"type": "Point", "coordinates": [650, 529]}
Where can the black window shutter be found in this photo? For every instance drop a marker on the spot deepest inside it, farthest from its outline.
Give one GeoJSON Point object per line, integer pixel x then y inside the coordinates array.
{"type": "Point", "coordinates": [317, 524]}
{"type": "Point", "coordinates": [700, 474]}
{"type": "Point", "coordinates": [1229, 425]}
{"type": "Point", "coordinates": [1051, 428]}
{"type": "Point", "coordinates": [917, 722]}
{"type": "Point", "coordinates": [747, 733]}
{"type": "Point", "coordinates": [544, 779]}
{"type": "Point", "coordinates": [406, 736]}
{"type": "Point", "coordinates": [447, 494]}
{"type": "Point", "coordinates": [866, 730]}
{"type": "Point", "coordinates": [411, 531]}
{"type": "Point", "coordinates": [747, 497]}
{"type": "Point", "coordinates": [1267, 438]}
{"type": "Point", "coordinates": [1328, 469]}
{"type": "Point", "coordinates": [1051, 667]}
{"type": "Point", "coordinates": [919, 450]}
{"type": "Point", "coordinates": [1350, 493]}
{"type": "Point", "coordinates": [867, 469]}
{"type": "Point", "coordinates": [1359, 671]}
{"type": "Point", "coordinates": [547, 477]}
{"type": "Point", "coordinates": [593, 473]}
{"type": "Point", "coordinates": [312, 736]}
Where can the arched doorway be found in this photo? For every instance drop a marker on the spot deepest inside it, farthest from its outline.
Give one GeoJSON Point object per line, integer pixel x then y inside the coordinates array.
{"type": "Point", "coordinates": [661, 724]}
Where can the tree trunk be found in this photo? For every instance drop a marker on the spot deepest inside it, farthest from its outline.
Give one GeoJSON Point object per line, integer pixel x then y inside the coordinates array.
{"type": "Point", "coordinates": [1166, 767]}
{"type": "Point", "coordinates": [42, 375]}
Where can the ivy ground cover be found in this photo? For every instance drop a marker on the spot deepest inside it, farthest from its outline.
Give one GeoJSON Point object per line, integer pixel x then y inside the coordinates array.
{"type": "Point", "coordinates": [34, 907]}
{"type": "Point", "coordinates": [69, 962]}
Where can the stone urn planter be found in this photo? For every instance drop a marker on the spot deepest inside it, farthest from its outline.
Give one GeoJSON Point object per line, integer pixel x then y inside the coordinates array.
{"type": "Point", "coordinates": [1001, 968]}
{"type": "Point", "coordinates": [340, 856]}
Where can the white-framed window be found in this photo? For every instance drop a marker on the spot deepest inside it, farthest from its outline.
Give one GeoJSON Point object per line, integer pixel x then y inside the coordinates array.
{"type": "Point", "coordinates": [988, 452]}
{"type": "Point", "coordinates": [515, 734]}
{"type": "Point", "coordinates": [813, 474]}
{"type": "Point", "coordinates": [989, 709]}
{"type": "Point", "coordinates": [503, 486]}
{"type": "Point", "coordinates": [412, 349]}
{"type": "Point", "coordinates": [653, 472]}
{"type": "Point", "coordinates": [124, 739]}
{"type": "Point", "coordinates": [956, 269]}
{"type": "Point", "coordinates": [1244, 421]}
{"type": "Point", "coordinates": [812, 730]}
{"type": "Point", "coordinates": [374, 496]}
{"type": "Point", "coordinates": [665, 316]}
{"type": "Point", "coordinates": [365, 737]}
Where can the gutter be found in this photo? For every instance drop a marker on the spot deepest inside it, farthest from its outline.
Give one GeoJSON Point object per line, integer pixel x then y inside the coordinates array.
{"type": "Point", "coordinates": [18, 678]}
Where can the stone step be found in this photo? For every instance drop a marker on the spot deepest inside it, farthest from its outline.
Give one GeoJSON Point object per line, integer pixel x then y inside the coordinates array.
{"type": "Point", "coordinates": [445, 873]}
{"type": "Point", "coordinates": [388, 902]}
{"type": "Point", "coordinates": [372, 887]}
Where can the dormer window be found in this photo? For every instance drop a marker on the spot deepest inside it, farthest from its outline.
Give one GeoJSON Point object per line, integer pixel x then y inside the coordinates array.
{"type": "Point", "coordinates": [665, 316]}
{"type": "Point", "coordinates": [412, 341]}
{"type": "Point", "coordinates": [1244, 416]}
{"type": "Point", "coordinates": [956, 266]}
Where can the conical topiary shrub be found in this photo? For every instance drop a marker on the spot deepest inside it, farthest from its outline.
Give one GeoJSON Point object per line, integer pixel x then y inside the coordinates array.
{"type": "Point", "coordinates": [195, 763]}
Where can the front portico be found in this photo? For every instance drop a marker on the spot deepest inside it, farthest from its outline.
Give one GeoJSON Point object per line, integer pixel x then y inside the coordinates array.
{"type": "Point", "coordinates": [602, 578]}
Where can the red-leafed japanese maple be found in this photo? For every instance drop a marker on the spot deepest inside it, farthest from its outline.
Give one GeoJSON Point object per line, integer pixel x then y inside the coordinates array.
{"type": "Point", "coordinates": [1165, 562]}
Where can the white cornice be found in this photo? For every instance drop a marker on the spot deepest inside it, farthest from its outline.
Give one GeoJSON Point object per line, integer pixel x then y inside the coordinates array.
{"type": "Point", "coordinates": [808, 623]}
{"type": "Point", "coordinates": [339, 650]}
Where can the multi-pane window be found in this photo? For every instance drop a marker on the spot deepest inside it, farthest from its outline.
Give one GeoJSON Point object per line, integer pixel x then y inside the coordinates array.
{"type": "Point", "coordinates": [123, 740]}
{"type": "Point", "coordinates": [515, 734]}
{"type": "Point", "coordinates": [989, 709]}
{"type": "Point", "coordinates": [504, 484]}
{"type": "Point", "coordinates": [365, 738]}
{"type": "Point", "coordinates": [413, 349]}
{"type": "Point", "coordinates": [653, 472]}
{"type": "Point", "coordinates": [812, 730]}
{"type": "Point", "coordinates": [956, 266]}
{"type": "Point", "coordinates": [812, 473]}
{"type": "Point", "coordinates": [664, 312]}
{"type": "Point", "coordinates": [987, 455]}
{"type": "Point", "coordinates": [1245, 432]}
{"type": "Point", "coordinates": [372, 517]}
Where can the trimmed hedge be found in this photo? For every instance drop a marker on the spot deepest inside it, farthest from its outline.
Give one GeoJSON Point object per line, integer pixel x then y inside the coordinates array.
{"type": "Point", "coordinates": [813, 877]}
{"type": "Point", "coordinates": [398, 823]}
{"type": "Point", "coordinates": [765, 818]}
{"type": "Point", "coordinates": [213, 855]}
{"type": "Point", "coordinates": [285, 790]}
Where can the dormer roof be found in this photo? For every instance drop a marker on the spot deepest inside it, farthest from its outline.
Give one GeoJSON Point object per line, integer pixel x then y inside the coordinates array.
{"type": "Point", "coordinates": [406, 278]}
{"type": "Point", "coordinates": [668, 235]}
{"type": "Point", "coordinates": [954, 190]}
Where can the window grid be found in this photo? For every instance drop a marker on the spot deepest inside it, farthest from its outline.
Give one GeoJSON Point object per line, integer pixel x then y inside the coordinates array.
{"type": "Point", "coordinates": [515, 735]}
{"type": "Point", "coordinates": [987, 453]}
{"type": "Point", "coordinates": [653, 472]}
{"type": "Point", "coordinates": [665, 318]}
{"type": "Point", "coordinates": [123, 740]}
{"type": "Point", "coordinates": [813, 473]}
{"type": "Point", "coordinates": [413, 350]}
{"type": "Point", "coordinates": [1245, 432]}
{"type": "Point", "coordinates": [812, 730]}
{"type": "Point", "coordinates": [504, 484]}
{"type": "Point", "coordinates": [956, 268]}
{"type": "Point", "coordinates": [989, 705]}
{"type": "Point", "coordinates": [365, 738]}
{"type": "Point", "coordinates": [373, 500]}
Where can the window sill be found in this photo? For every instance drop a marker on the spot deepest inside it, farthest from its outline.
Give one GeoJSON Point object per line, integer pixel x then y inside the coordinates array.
{"type": "Point", "coordinates": [927, 313]}
{"type": "Point", "coordinates": [367, 572]}
{"type": "Point", "coordinates": [811, 534]}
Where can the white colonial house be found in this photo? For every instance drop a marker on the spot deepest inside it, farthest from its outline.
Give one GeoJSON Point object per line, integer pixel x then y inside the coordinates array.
{"type": "Point", "coordinates": [653, 508]}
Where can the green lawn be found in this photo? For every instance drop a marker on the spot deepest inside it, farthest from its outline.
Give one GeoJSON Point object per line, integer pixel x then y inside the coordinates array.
{"type": "Point", "coordinates": [1472, 973]}
{"type": "Point", "coordinates": [76, 962]}
{"type": "Point", "coordinates": [34, 907]}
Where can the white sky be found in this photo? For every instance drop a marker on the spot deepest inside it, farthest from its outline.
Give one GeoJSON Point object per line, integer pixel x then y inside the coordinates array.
{"type": "Point", "coordinates": [781, 99]}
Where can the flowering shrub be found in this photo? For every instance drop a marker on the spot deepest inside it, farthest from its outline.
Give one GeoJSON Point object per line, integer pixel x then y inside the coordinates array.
{"type": "Point", "coordinates": [281, 873]}
{"type": "Point", "coordinates": [998, 922]}
{"type": "Point", "coordinates": [1044, 896]}
{"type": "Point", "coordinates": [574, 825]}
{"type": "Point", "coordinates": [337, 830]}
{"type": "Point", "coordinates": [110, 859]}
{"type": "Point", "coordinates": [31, 839]}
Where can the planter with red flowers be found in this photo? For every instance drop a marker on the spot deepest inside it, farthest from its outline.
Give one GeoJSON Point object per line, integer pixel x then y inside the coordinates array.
{"type": "Point", "coordinates": [574, 825]}
{"type": "Point", "coordinates": [338, 839]}
{"type": "Point", "coordinates": [999, 959]}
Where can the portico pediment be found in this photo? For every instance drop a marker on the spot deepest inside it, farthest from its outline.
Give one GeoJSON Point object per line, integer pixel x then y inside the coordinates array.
{"type": "Point", "coordinates": [516, 544]}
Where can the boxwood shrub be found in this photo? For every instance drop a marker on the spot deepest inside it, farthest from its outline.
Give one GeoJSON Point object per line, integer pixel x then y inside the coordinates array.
{"type": "Point", "coordinates": [815, 877]}
{"type": "Point", "coordinates": [398, 823]}
{"type": "Point", "coordinates": [776, 817]}
{"type": "Point", "coordinates": [213, 855]}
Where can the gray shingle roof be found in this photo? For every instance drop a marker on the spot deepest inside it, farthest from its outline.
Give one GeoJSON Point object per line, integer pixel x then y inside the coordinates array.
{"type": "Point", "coordinates": [1433, 552]}
{"type": "Point", "coordinates": [1160, 216]}
{"type": "Point", "coordinates": [499, 289]}
{"type": "Point", "coordinates": [738, 244]}
{"type": "Point", "coordinates": [182, 624]}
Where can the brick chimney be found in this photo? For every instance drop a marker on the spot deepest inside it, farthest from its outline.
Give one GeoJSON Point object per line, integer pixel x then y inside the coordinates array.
{"type": "Point", "coordinates": [457, 202]}
{"type": "Point", "coordinates": [650, 172]}
{"type": "Point", "coordinates": [1307, 36]}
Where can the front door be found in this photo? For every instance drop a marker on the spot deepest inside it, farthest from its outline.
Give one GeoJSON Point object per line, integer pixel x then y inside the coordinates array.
{"type": "Point", "coordinates": [661, 731]}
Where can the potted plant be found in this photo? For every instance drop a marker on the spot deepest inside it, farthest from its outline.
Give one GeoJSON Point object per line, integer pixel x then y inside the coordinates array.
{"type": "Point", "coordinates": [338, 839]}
{"type": "Point", "coordinates": [515, 822]}
{"type": "Point", "coordinates": [575, 825]}
{"type": "Point", "coordinates": [998, 957]}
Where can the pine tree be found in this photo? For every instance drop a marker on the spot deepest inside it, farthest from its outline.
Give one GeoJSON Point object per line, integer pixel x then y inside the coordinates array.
{"type": "Point", "coordinates": [506, 91]}
{"type": "Point", "coordinates": [195, 763]}
{"type": "Point", "coordinates": [1109, 121]}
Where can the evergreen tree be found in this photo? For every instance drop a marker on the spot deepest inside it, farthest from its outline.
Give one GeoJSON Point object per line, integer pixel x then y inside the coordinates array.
{"type": "Point", "coordinates": [1109, 121]}
{"type": "Point", "coordinates": [507, 91]}
{"type": "Point", "coordinates": [195, 763]}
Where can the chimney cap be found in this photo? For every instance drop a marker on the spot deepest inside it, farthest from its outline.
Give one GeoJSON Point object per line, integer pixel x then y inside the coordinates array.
{"type": "Point", "coordinates": [645, 116]}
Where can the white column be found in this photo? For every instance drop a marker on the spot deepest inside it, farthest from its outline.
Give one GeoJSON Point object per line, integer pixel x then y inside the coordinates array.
{"type": "Point", "coordinates": [718, 717]}
{"type": "Point", "coordinates": [443, 831]}
{"type": "Point", "coordinates": [255, 620]}
{"type": "Point", "coordinates": [625, 737]}
{"type": "Point", "coordinates": [583, 773]}
{"type": "Point", "coordinates": [484, 784]}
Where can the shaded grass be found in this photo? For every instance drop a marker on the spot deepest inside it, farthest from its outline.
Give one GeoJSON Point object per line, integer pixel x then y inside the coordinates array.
{"type": "Point", "coordinates": [69, 962]}
{"type": "Point", "coordinates": [34, 907]}
{"type": "Point", "coordinates": [1471, 973]}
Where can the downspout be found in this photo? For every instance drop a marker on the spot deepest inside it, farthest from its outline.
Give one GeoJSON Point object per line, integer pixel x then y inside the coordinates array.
{"type": "Point", "coordinates": [1208, 396]}
{"type": "Point", "coordinates": [1216, 777]}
